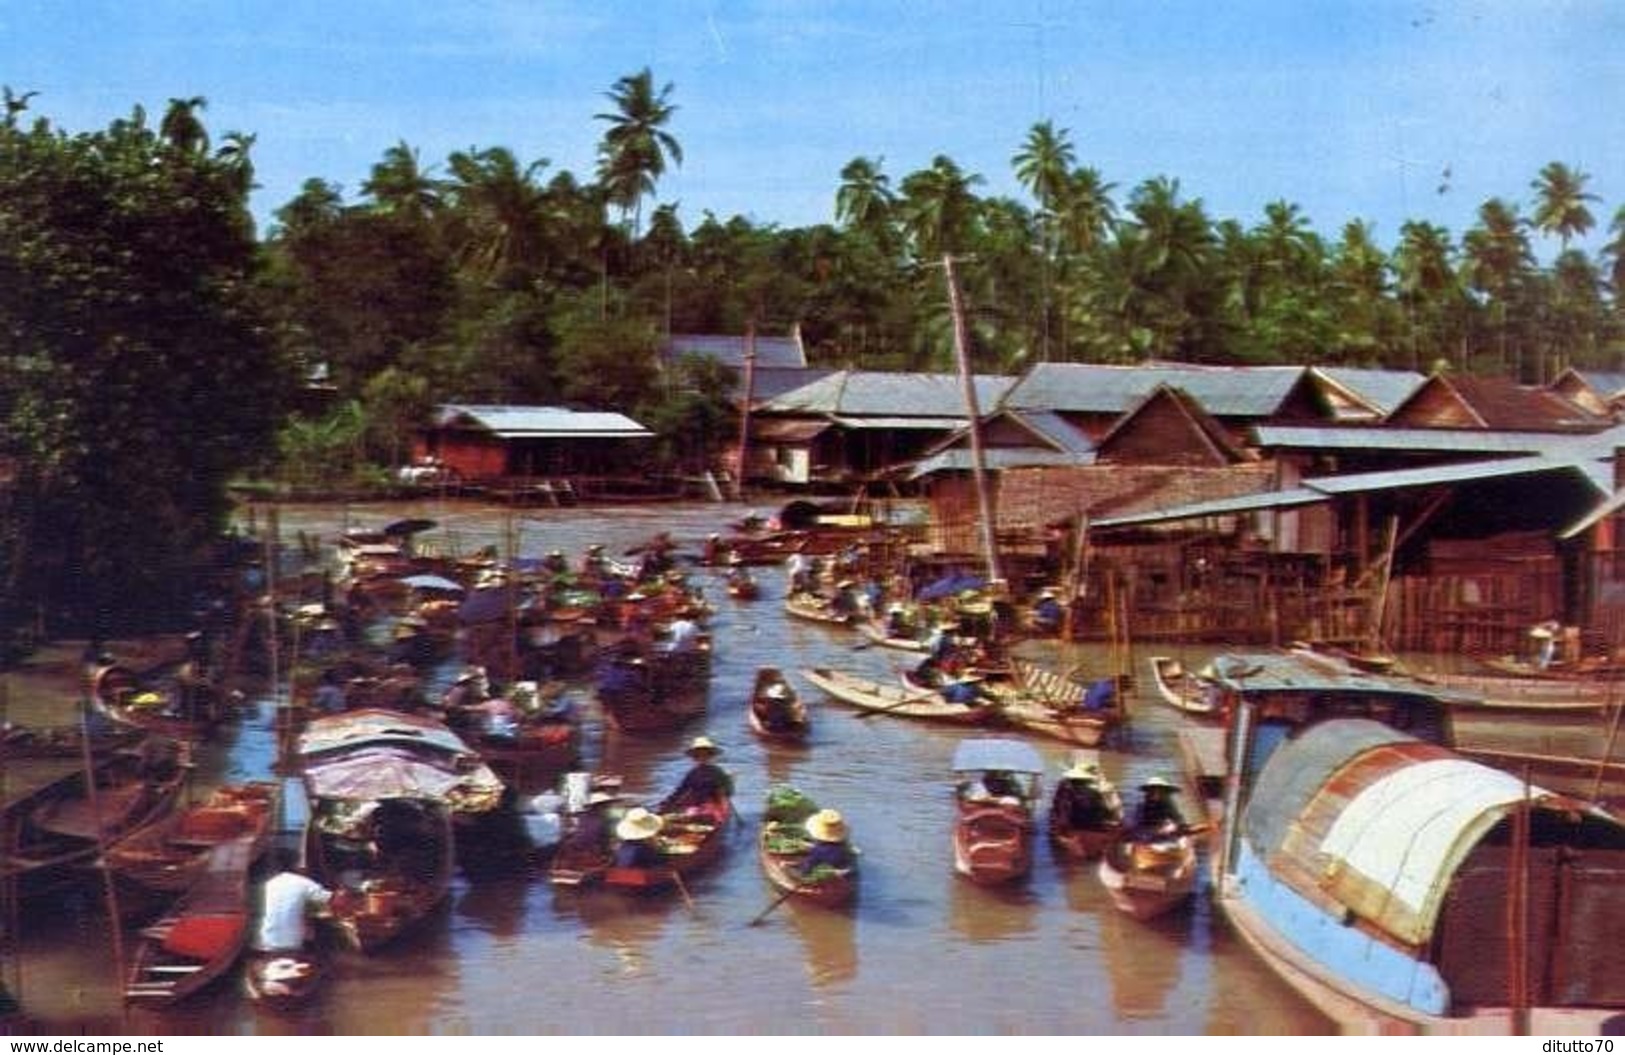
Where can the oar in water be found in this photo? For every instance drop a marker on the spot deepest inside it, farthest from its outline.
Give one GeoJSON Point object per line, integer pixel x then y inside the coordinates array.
{"type": "Point", "coordinates": [905, 701]}
{"type": "Point", "coordinates": [768, 911]}
{"type": "Point", "coordinates": [682, 888]}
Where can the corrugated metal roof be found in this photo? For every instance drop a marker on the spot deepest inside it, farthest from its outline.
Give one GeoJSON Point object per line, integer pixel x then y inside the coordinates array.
{"type": "Point", "coordinates": [769, 382]}
{"type": "Point", "coordinates": [1259, 672]}
{"type": "Point", "coordinates": [1443, 474]}
{"type": "Point", "coordinates": [1376, 438]}
{"type": "Point", "coordinates": [730, 350]}
{"type": "Point", "coordinates": [518, 422]}
{"type": "Point", "coordinates": [1604, 383]}
{"type": "Point", "coordinates": [1298, 496]}
{"type": "Point", "coordinates": [1056, 430]}
{"type": "Point", "coordinates": [786, 430]}
{"type": "Point", "coordinates": [958, 459]}
{"type": "Point", "coordinates": [943, 424]}
{"type": "Point", "coordinates": [1383, 389]}
{"type": "Point", "coordinates": [866, 393]}
{"type": "Point", "coordinates": [1094, 388]}
{"type": "Point", "coordinates": [1282, 792]}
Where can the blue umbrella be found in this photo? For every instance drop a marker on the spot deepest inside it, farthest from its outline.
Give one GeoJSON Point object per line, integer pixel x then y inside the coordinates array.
{"type": "Point", "coordinates": [949, 585]}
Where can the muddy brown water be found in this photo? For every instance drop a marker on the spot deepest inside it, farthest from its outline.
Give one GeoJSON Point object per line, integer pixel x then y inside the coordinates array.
{"type": "Point", "coordinates": [921, 952]}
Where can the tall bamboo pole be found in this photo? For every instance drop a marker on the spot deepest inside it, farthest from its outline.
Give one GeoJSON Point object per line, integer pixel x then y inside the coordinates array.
{"type": "Point", "coordinates": [984, 498]}
{"type": "Point", "coordinates": [744, 409]}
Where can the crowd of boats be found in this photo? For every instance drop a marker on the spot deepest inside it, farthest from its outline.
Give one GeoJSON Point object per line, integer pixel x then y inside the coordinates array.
{"type": "Point", "coordinates": [1414, 853]}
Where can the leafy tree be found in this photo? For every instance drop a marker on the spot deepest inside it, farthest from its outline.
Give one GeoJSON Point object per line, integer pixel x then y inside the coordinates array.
{"type": "Point", "coordinates": [135, 377]}
{"type": "Point", "coordinates": [940, 210]}
{"type": "Point", "coordinates": [1560, 202]}
{"type": "Point", "coordinates": [399, 183]}
{"type": "Point", "coordinates": [636, 146]}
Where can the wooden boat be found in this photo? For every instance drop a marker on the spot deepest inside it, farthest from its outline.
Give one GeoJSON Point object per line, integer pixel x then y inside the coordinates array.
{"type": "Point", "coordinates": [419, 751]}
{"type": "Point", "coordinates": [877, 634]}
{"type": "Point", "coordinates": [815, 608]}
{"type": "Point", "coordinates": [781, 847]}
{"type": "Point", "coordinates": [162, 701]}
{"type": "Point", "coordinates": [775, 713]}
{"type": "Point", "coordinates": [647, 689]}
{"type": "Point", "coordinates": [283, 981]}
{"type": "Point", "coordinates": [1151, 875]}
{"type": "Point", "coordinates": [18, 742]}
{"type": "Point", "coordinates": [383, 789]}
{"type": "Point", "coordinates": [874, 698]}
{"type": "Point", "coordinates": [545, 741]}
{"type": "Point", "coordinates": [1181, 689]}
{"type": "Point", "coordinates": [1086, 813]}
{"type": "Point", "coordinates": [741, 586]}
{"type": "Point", "coordinates": [57, 829]}
{"type": "Point", "coordinates": [1369, 865]}
{"type": "Point", "coordinates": [688, 842]}
{"type": "Point", "coordinates": [993, 826]}
{"type": "Point", "coordinates": [388, 849]}
{"type": "Point", "coordinates": [1040, 701]}
{"type": "Point", "coordinates": [201, 937]}
{"type": "Point", "coordinates": [172, 854]}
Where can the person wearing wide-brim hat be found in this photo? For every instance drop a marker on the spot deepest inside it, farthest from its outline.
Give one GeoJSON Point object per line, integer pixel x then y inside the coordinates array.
{"type": "Point", "coordinates": [1085, 799]}
{"type": "Point", "coordinates": [827, 829]}
{"type": "Point", "coordinates": [1158, 813]}
{"type": "Point", "coordinates": [636, 831]}
{"type": "Point", "coordinates": [705, 784]}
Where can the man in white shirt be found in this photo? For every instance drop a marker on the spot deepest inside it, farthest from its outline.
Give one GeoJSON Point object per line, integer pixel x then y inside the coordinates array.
{"type": "Point", "coordinates": [287, 901]}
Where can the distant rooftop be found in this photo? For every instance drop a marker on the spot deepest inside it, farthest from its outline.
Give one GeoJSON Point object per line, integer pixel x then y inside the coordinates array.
{"type": "Point", "coordinates": [863, 393]}
{"type": "Point", "coordinates": [771, 352]}
{"type": "Point", "coordinates": [529, 422]}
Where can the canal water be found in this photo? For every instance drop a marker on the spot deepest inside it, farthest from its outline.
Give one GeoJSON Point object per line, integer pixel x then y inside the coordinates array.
{"type": "Point", "coordinates": [921, 952]}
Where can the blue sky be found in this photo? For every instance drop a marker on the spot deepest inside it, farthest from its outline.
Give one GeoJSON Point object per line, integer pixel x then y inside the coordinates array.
{"type": "Point", "coordinates": [1382, 111]}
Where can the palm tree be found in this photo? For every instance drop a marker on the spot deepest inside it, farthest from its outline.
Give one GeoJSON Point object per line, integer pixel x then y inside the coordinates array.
{"type": "Point", "coordinates": [1426, 281]}
{"type": "Point", "coordinates": [865, 200]}
{"type": "Point", "coordinates": [1560, 202]}
{"type": "Point", "coordinates": [399, 184]}
{"type": "Point", "coordinates": [500, 209]}
{"type": "Point", "coordinates": [939, 208]}
{"type": "Point", "coordinates": [1360, 284]}
{"type": "Point", "coordinates": [633, 153]}
{"type": "Point", "coordinates": [1043, 164]}
{"type": "Point", "coordinates": [1497, 257]}
{"type": "Point", "coordinates": [1086, 211]}
{"type": "Point", "coordinates": [1166, 248]}
{"type": "Point", "coordinates": [234, 154]}
{"type": "Point", "coordinates": [181, 126]}
{"type": "Point", "coordinates": [1614, 254]}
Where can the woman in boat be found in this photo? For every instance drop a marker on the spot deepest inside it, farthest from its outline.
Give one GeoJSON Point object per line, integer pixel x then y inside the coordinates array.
{"type": "Point", "coordinates": [636, 831]}
{"type": "Point", "coordinates": [288, 900]}
{"type": "Point", "coordinates": [830, 851]}
{"type": "Point", "coordinates": [1084, 800]}
{"type": "Point", "coordinates": [704, 783]}
{"type": "Point", "coordinates": [1047, 612]}
{"type": "Point", "coordinates": [778, 711]}
{"type": "Point", "coordinates": [1158, 813]}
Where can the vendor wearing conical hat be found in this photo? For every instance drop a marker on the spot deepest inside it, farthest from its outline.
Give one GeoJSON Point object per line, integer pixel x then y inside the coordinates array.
{"type": "Point", "coordinates": [707, 786]}
{"type": "Point", "coordinates": [827, 829]}
{"type": "Point", "coordinates": [1158, 813]}
{"type": "Point", "coordinates": [637, 831]}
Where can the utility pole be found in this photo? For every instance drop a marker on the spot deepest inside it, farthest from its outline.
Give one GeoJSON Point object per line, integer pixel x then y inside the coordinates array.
{"type": "Point", "coordinates": [744, 410]}
{"type": "Point", "coordinates": [984, 498]}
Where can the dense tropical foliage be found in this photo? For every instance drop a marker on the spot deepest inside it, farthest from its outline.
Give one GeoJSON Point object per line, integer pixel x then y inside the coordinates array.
{"type": "Point", "coordinates": [150, 338]}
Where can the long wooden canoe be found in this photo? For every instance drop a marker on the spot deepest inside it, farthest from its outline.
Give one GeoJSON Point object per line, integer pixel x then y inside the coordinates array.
{"type": "Point", "coordinates": [1181, 689]}
{"type": "Point", "coordinates": [688, 842]}
{"type": "Point", "coordinates": [815, 608]}
{"type": "Point", "coordinates": [876, 698]}
{"type": "Point", "coordinates": [775, 713]}
{"type": "Point", "coordinates": [1149, 877]}
{"type": "Point", "coordinates": [782, 849]}
{"type": "Point", "coordinates": [171, 855]}
{"type": "Point", "coordinates": [201, 937]}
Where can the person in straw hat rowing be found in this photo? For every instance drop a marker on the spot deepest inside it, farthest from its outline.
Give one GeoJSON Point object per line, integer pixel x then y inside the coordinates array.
{"type": "Point", "coordinates": [704, 784]}
{"type": "Point", "coordinates": [830, 851]}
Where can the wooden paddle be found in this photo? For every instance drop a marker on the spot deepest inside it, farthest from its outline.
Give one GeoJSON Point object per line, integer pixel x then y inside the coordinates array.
{"type": "Point", "coordinates": [768, 911]}
{"type": "Point", "coordinates": [682, 888]}
{"type": "Point", "coordinates": [905, 701]}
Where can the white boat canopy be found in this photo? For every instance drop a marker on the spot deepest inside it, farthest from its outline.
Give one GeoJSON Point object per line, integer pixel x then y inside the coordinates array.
{"type": "Point", "coordinates": [1014, 756]}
